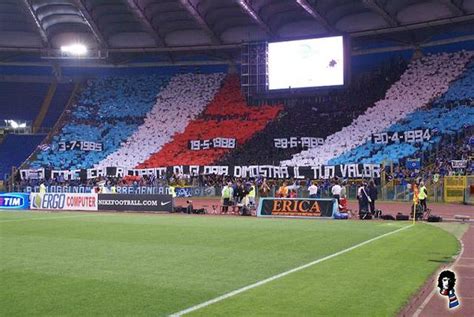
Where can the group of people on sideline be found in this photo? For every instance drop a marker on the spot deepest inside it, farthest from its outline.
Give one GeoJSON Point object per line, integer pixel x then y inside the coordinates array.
{"type": "Point", "coordinates": [367, 193]}
{"type": "Point", "coordinates": [241, 194]}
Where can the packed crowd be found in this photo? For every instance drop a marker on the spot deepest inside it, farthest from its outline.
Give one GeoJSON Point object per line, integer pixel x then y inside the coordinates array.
{"type": "Point", "coordinates": [154, 130]}
{"type": "Point", "coordinates": [445, 116]}
{"type": "Point", "coordinates": [438, 163]}
{"type": "Point", "coordinates": [441, 121]}
{"type": "Point", "coordinates": [108, 110]}
{"type": "Point", "coordinates": [316, 117]}
{"type": "Point", "coordinates": [424, 80]}
{"type": "Point", "coordinates": [462, 150]}
{"type": "Point", "coordinates": [461, 91]}
{"type": "Point", "coordinates": [226, 116]}
{"type": "Point", "coordinates": [180, 102]}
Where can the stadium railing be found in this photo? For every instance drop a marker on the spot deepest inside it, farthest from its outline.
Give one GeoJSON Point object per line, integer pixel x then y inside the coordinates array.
{"type": "Point", "coordinates": [394, 193]}
{"type": "Point", "coordinates": [469, 191]}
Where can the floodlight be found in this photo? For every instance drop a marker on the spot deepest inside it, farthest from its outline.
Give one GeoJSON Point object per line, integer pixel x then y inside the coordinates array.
{"type": "Point", "coordinates": [15, 125]}
{"type": "Point", "coordinates": [74, 49]}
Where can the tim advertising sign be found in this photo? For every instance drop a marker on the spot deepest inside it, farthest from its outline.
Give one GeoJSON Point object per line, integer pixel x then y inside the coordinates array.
{"type": "Point", "coordinates": [14, 201]}
{"type": "Point", "coordinates": [63, 201]}
{"type": "Point", "coordinates": [296, 207]}
{"type": "Point", "coordinates": [139, 203]}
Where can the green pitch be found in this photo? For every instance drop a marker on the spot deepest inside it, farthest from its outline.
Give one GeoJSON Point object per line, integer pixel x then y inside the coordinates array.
{"type": "Point", "coordinates": [123, 264]}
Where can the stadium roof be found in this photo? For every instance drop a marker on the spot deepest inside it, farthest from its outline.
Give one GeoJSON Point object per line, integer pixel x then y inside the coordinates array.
{"type": "Point", "coordinates": [131, 26]}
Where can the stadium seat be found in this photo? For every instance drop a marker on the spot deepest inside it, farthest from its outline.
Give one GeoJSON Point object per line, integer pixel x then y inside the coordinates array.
{"type": "Point", "coordinates": [461, 90]}
{"type": "Point", "coordinates": [61, 97]}
{"type": "Point", "coordinates": [16, 105]}
{"type": "Point", "coordinates": [15, 149]}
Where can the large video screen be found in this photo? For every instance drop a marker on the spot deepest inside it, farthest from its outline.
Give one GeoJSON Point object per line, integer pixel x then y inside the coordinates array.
{"type": "Point", "coordinates": [306, 63]}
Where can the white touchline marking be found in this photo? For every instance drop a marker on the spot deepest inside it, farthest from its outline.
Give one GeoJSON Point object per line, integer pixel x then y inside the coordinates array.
{"type": "Point", "coordinates": [275, 277]}
{"type": "Point", "coordinates": [47, 218]}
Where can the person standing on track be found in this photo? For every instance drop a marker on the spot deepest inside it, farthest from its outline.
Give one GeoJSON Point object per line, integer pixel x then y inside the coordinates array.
{"type": "Point", "coordinates": [363, 198]}
{"type": "Point", "coordinates": [373, 194]}
{"type": "Point", "coordinates": [313, 190]}
{"type": "Point", "coordinates": [336, 191]}
{"type": "Point", "coordinates": [227, 193]}
{"type": "Point", "coordinates": [42, 188]}
{"type": "Point", "coordinates": [251, 194]}
{"type": "Point", "coordinates": [423, 195]}
{"type": "Point", "coordinates": [172, 191]}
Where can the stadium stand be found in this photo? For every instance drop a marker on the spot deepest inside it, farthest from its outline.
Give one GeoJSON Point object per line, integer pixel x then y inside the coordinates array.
{"type": "Point", "coordinates": [61, 96]}
{"type": "Point", "coordinates": [15, 149]}
{"type": "Point", "coordinates": [15, 104]}
{"type": "Point", "coordinates": [449, 114]}
{"type": "Point", "coordinates": [318, 118]}
{"type": "Point", "coordinates": [441, 119]}
{"type": "Point", "coordinates": [181, 101]}
{"type": "Point", "coordinates": [461, 90]}
{"type": "Point", "coordinates": [449, 150]}
{"type": "Point", "coordinates": [108, 111]}
{"type": "Point", "coordinates": [438, 161]}
{"type": "Point", "coordinates": [424, 80]}
{"type": "Point", "coordinates": [227, 116]}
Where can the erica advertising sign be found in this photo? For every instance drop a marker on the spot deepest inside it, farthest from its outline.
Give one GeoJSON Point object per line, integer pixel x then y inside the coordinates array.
{"type": "Point", "coordinates": [297, 207]}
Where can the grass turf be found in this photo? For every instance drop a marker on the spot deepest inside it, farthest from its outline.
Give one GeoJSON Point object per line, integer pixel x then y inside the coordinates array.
{"type": "Point", "coordinates": [125, 264]}
{"type": "Point", "coordinates": [457, 229]}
